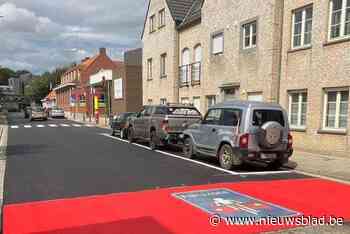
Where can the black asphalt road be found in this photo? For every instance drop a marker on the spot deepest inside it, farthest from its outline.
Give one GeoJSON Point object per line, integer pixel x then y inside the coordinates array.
{"type": "Point", "coordinates": [64, 162]}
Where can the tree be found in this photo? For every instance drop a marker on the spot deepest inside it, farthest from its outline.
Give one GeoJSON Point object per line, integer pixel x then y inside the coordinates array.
{"type": "Point", "coordinates": [37, 89]}
{"type": "Point", "coordinates": [5, 74]}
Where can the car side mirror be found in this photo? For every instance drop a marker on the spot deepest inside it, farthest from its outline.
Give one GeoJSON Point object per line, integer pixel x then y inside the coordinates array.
{"type": "Point", "coordinates": [138, 115]}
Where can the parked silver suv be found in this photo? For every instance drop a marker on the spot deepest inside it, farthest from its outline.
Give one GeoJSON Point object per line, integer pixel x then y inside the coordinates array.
{"type": "Point", "coordinates": [239, 131]}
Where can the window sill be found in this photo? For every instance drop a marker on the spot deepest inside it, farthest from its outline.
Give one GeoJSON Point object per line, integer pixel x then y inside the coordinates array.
{"type": "Point", "coordinates": [299, 49]}
{"type": "Point", "coordinates": [298, 129]}
{"type": "Point", "coordinates": [152, 31]}
{"type": "Point", "coordinates": [336, 41]}
{"type": "Point", "coordinates": [149, 79]}
{"type": "Point", "coordinates": [161, 26]}
{"type": "Point", "coordinates": [217, 54]}
{"type": "Point", "coordinates": [163, 76]}
{"type": "Point", "coordinates": [333, 132]}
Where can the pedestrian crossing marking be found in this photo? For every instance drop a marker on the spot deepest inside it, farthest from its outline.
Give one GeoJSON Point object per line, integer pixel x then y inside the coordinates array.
{"type": "Point", "coordinates": [27, 126]}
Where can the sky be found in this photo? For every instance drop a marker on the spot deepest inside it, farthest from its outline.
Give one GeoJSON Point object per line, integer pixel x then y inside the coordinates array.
{"type": "Point", "coordinates": [40, 35]}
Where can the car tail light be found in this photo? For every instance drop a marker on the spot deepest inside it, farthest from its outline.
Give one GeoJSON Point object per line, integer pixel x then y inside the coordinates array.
{"type": "Point", "coordinates": [165, 125]}
{"type": "Point", "coordinates": [244, 141]}
{"type": "Point", "coordinates": [290, 141]}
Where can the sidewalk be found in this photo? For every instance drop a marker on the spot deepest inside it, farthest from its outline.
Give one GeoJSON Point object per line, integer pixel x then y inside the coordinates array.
{"type": "Point", "coordinates": [324, 165]}
{"type": "Point", "coordinates": [3, 144]}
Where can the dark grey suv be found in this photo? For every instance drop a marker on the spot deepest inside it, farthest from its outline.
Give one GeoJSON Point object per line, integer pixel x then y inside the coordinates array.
{"type": "Point", "coordinates": [239, 131]}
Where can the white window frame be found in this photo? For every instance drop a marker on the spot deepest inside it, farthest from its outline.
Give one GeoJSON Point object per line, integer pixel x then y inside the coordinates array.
{"type": "Point", "coordinates": [152, 23]}
{"type": "Point", "coordinates": [215, 36]}
{"type": "Point", "coordinates": [161, 16]}
{"type": "Point", "coordinates": [250, 24]}
{"type": "Point", "coordinates": [300, 103]}
{"type": "Point", "coordinates": [163, 65]}
{"type": "Point", "coordinates": [337, 111]}
{"type": "Point", "coordinates": [303, 26]}
{"type": "Point", "coordinates": [118, 89]}
{"type": "Point", "coordinates": [342, 21]}
{"type": "Point", "coordinates": [163, 101]}
{"type": "Point", "coordinates": [149, 69]}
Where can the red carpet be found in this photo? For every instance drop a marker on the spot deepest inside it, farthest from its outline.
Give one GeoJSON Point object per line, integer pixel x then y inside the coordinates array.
{"type": "Point", "coordinates": [158, 212]}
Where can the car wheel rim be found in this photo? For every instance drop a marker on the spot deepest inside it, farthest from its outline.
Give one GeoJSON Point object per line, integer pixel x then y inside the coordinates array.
{"type": "Point", "coordinates": [122, 134]}
{"type": "Point", "coordinates": [226, 157]}
{"type": "Point", "coordinates": [187, 148]}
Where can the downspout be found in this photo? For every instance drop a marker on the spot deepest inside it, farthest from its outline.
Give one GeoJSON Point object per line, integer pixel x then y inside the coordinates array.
{"type": "Point", "coordinates": [280, 46]}
{"type": "Point", "coordinates": [176, 66]}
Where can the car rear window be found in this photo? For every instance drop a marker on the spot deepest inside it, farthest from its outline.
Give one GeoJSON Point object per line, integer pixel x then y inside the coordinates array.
{"type": "Point", "coordinates": [260, 117]}
{"type": "Point", "coordinates": [183, 111]}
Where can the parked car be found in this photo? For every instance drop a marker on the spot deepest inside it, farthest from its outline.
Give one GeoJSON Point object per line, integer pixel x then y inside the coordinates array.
{"type": "Point", "coordinates": [162, 124]}
{"type": "Point", "coordinates": [239, 131]}
{"type": "Point", "coordinates": [38, 113]}
{"type": "Point", "coordinates": [120, 123]}
{"type": "Point", "coordinates": [56, 112]}
{"type": "Point", "coordinates": [27, 111]}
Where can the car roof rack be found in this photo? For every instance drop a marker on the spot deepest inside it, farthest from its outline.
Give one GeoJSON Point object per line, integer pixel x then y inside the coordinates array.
{"type": "Point", "coordinates": [180, 104]}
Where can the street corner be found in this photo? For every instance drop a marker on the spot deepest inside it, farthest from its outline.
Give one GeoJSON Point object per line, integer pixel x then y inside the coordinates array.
{"type": "Point", "coordinates": [245, 207]}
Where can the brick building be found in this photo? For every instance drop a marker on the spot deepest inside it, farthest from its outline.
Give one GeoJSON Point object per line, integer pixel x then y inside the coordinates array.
{"type": "Point", "coordinates": [296, 53]}
{"type": "Point", "coordinates": [75, 94]}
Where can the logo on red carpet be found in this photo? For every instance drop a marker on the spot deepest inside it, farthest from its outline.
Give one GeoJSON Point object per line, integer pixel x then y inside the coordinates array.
{"type": "Point", "coordinates": [227, 203]}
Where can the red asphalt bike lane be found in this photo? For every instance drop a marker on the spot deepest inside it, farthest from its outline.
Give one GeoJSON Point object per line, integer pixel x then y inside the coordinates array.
{"type": "Point", "coordinates": [159, 212]}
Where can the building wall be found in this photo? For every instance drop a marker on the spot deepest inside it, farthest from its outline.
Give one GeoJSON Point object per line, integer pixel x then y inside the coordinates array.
{"type": "Point", "coordinates": [119, 105]}
{"type": "Point", "coordinates": [321, 66]}
{"type": "Point", "coordinates": [254, 70]}
{"type": "Point", "coordinates": [163, 40]}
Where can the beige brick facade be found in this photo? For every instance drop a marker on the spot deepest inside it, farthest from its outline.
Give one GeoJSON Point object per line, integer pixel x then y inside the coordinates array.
{"type": "Point", "coordinates": [315, 69]}
{"type": "Point", "coordinates": [270, 71]}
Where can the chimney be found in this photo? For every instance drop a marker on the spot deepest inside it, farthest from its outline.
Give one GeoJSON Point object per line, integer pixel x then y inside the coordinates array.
{"type": "Point", "coordinates": [103, 51]}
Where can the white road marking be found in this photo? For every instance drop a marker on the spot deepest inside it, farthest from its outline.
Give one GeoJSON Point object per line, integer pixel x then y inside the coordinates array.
{"type": "Point", "coordinates": [14, 126]}
{"type": "Point", "coordinates": [76, 125]}
{"type": "Point", "coordinates": [27, 126]}
{"type": "Point", "coordinates": [89, 125]}
{"type": "Point", "coordinates": [53, 125]}
{"type": "Point", "coordinates": [202, 163]}
{"type": "Point", "coordinates": [65, 125]}
{"type": "Point", "coordinates": [40, 126]}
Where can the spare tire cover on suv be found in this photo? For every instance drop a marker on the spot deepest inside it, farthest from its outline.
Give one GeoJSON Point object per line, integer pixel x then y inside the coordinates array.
{"type": "Point", "coordinates": [270, 135]}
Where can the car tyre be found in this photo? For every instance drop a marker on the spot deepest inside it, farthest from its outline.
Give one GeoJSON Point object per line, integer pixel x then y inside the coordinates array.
{"type": "Point", "coordinates": [227, 157]}
{"type": "Point", "coordinates": [131, 135]}
{"type": "Point", "coordinates": [275, 165]}
{"type": "Point", "coordinates": [113, 132]}
{"type": "Point", "coordinates": [153, 140]}
{"type": "Point", "coordinates": [188, 148]}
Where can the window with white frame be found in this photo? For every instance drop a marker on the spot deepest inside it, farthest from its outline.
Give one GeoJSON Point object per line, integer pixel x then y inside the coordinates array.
{"type": "Point", "coordinates": [118, 88]}
{"type": "Point", "coordinates": [161, 18]}
{"type": "Point", "coordinates": [249, 35]}
{"type": "Point", "coordinates": [163, 65]}
{"type": "Point", "coordinates": [302, 27]}
{"type": "Point", "coordinates": [211, 101]}
{"type": "Point", "coordinates": [297, 109]}
{"type": "Point", "coordinates": [339, 22]}
{"type": "Point", "coordinates": [163, 101]}
{"type": "Point", "coordinates": [152, 23]}
{"type": "Point", "coordinates": [336, 109]}
{"type": "Point", "coordinates": [149, 69]}
{"type": "Point", "coordinates": [217, 42]}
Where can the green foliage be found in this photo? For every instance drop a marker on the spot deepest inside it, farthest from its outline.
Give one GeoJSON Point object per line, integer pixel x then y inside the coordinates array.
{"type": "Point", "coordinates": [40, 86]}
{"type": "Point", "coordinates": [5, 74]}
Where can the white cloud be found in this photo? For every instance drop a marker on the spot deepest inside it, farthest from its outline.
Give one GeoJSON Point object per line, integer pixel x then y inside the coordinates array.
{"type": "Point", "coordinates": [43, 34]}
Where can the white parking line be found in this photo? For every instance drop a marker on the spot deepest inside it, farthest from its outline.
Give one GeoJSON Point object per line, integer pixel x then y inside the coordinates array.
{"type": "Point", "coordinates": [27, 126]}
{"type": "Point", "coordinates": [202, 163]}
{"type": "Point", "coordinates": [89, 125]}
{"type": "Point", "coordinates": [76, 125]}
{"type": "Point", "coordinates": [40, 126]}
{"type": "Point", "coordinates": [53, 125]}
{"type": "Point", "coordinates": [14, 126]}
{"type": "Point", "coordinates": [65, 125]}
